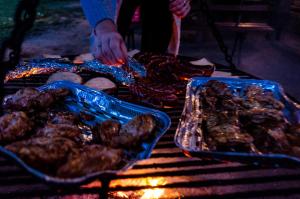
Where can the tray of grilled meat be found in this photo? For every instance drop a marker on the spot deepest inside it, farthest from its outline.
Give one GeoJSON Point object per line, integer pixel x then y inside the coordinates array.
{"type": "Point", "coordinates": [250, 121]}
{"type": "Point", "coordinates": [66, 133]}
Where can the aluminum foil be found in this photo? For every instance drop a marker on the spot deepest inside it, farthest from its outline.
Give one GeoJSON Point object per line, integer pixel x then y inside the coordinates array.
{"type": "Point", "coordinates": [40, 66]}
{"type": "Point", "coordinates": [124, 74]}
{"type": "Point", "coordinates": [189, 135]}
{"type": "Point", "coordinates": [102, 107]}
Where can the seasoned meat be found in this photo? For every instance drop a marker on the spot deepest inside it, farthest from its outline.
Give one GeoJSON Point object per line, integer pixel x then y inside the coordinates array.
{"type": "Point", "coordinates": [225, 134]}
{"type": "Point", "coordinates": [270, 140]}
{"type": "Point", "coordinates": [91, 159]}
{"type": "Point", "coordinates": [227, 137]}
{"type": "Point", "coordinates": [60, 130]}
{"type": "Point", "coordinates": [30, 99]}
{"type": "Point", "coordinates": [107, 131]}
{"type": "Point", "coordinates": [166, 75]}
{"type": "Point", "coordinates": [140, 127]}
{"type": "Point", "coordinates": [23, 100]}
{"type": "Point", "coordinates": [129, 135]}
{"type": "Point", "coordinates": [266, 117]}
{"type": "Point", "coordinates": [256, 97]}
{"type": "Point", "coordinates": [44, 153]}
{"type": "Point", "coordinates": [63, 118]}
{"type": "Point", "coordinates": [293, 134]}
{"type": "Point", "coordinates": [14, 126]}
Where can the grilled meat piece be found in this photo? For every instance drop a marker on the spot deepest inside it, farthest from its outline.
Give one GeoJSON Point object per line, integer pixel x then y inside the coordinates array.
{"type": "Point", "coordinates": [269, 118]}
{"type": "Point", "coordinates": [157, 95]}
{"type": "Point", "coordinates": [63, 118]}
{"type": "Point", "coordinates": [165, 76]}
{"type": "Point", "coordinates": [140, 127]}
{"type": "Point", "coordinates": [129, 135]}
{"type": "Point", "coordinates": [14, 126]}
{"type": "Point", "coordinates": [31, 99]}
{"type": "Point", "coordinates": [91, 159]}
{"type": "Point", "coordinates": [60, 130]}
{"type": "Point", "coordinates": [270, 140]}
{"type": "Point", "coordinates": [227, 137]}
{"type": "Point", "coordinates": [293, 134]}
{"type": "Point", "coordinates": [43, 153]}
{"type": "Point", "coordinates": [107, 131]}
{"type": "Point", "coordinates": [225, 134]}
{"type": "Point", "coordinates": [256, 97]}
{"type": "Point", "coordinates": [23, 100]}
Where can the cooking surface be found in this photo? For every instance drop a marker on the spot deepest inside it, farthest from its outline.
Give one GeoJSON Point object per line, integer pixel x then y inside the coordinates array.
{"type": "Point", "coordinates": [167, 174]}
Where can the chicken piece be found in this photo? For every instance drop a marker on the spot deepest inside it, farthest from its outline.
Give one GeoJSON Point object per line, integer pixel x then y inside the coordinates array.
{"type": "Point", "coordinates": [269, 118]}
{"type": "Point", "coordinates": [256, 97]}
{"type": "Point", "coordinates": [128, 136]}
{"type": "Point", "coordinates": [91, 159]}
{"type": "Point", "coordinates": [23, 100]}
{"type": "Point", "coordinates": [60, 130]}
{"type": "Point", "coordinates": [140, 127]}
{"type": "Point", "coordinates": [107, 131]}
{"type": "Point", "coordinates": [31, 99]}
{"type": "Point", "coordinates": [218, 118]}
{"type": "Point", "coordinates": [14, 126]}
{"type": "Point", "coordinates": [63, 118]}
{"type": "Point", "coordinates": [227, 137]}
{"type": "Point", "coordinates": [293, 134]}
{"type": "Point", "coordinates": [270, 139]}
{"type": "Point", "coordinates": [59, 93]}
{"type": "Point", "coordinates": [43, 153]}
{"type": "Point", "coordinates": [217, 89]}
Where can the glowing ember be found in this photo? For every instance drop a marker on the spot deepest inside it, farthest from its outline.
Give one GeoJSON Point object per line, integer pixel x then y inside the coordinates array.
{"type": "Point", "coordinates": [154, 193]}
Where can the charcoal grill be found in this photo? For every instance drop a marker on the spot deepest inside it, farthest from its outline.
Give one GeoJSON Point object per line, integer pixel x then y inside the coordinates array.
{"type": "Point", "coordinates": [167, 174]}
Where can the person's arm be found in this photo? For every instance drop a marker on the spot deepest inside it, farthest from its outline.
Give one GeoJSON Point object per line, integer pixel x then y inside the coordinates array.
{"type": "Point", "coordinates": [109, 46]}
{"type": "Point", "coordinates": [99, 10]}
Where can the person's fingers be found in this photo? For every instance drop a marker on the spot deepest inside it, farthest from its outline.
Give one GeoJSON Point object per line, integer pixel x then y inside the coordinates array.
{"type": "Point", "coordinates": [107, 53]}
{"type": "Point", "coordinates": [183, 13]}
{"type": "Point", "coordinates": [124, 52]}
{"type": "Point", "coordinates": [102, 54]}
{"type": "Point", "coordinates": [177, 5]}
{"type": "Point", "coordinates": [116, 50]}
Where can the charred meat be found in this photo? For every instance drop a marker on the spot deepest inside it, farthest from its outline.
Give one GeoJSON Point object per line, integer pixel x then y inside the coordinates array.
{"type": "Point", "coordinates": [14, 126]}
{"type": "Point", "coordinates": [60, 130]}
{"type": "Point", "coordinates": [249, 120]}
{"type": "Point", "coordinates": [63, 118]}
{"type": "Point", "coordinates": [44, 153]}
{"type": "Point", "coordinates": [90, 159]}
{"type": "Point", "coordinates": [31, 99]}
{"type": "Point", "coordinates": [127, 136]}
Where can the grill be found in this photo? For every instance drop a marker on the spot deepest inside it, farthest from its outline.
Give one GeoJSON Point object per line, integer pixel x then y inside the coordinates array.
{"type": "Point", "coordinates": [167, 174]}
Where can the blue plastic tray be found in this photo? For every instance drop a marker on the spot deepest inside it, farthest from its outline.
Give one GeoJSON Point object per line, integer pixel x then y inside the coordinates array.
{"type": "Point", "coordinates": [103, 107]}
{"type": "Point", "coordinates": [188, 134]}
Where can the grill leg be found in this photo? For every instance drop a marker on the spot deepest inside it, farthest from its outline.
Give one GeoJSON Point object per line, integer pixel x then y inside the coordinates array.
{"type": "Point", "coordinates": [104, 189]}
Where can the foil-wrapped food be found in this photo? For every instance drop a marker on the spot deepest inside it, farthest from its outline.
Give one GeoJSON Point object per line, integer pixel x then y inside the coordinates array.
{"type": "Point", "coordinates": [246, 119]}
{"type": "Point", "coordinates": [124, 74]}
{"type": "Point", "coordinates": [39, 129]}
{"type": "Point", "coordinates": [154, 79]}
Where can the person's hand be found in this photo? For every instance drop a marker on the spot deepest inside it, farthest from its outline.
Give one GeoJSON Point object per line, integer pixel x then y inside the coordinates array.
{"type": "Point", "coordinates": [180, 7]}
{"type": "Point", "coordinates": [109, 46]}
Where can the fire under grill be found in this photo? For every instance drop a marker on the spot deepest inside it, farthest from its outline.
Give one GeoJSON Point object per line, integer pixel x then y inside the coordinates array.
{"type": "Point", "coordinates": [167, 174]}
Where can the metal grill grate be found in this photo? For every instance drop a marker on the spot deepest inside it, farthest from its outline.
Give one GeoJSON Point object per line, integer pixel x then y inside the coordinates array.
{"type": "Point", "coordinates": [167, 174]}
